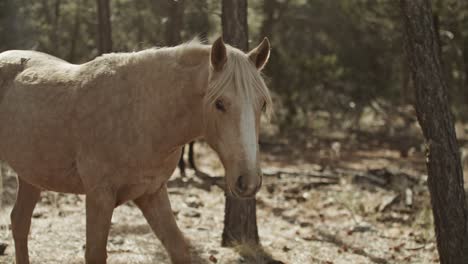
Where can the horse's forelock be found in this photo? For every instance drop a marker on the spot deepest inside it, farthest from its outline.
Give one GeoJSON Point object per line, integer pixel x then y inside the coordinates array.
{"type": "Point", "coordinates": [247, 80]}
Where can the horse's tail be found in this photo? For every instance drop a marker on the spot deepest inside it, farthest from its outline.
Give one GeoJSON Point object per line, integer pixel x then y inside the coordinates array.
{"type": "Point", "coordinates": [8, 71]}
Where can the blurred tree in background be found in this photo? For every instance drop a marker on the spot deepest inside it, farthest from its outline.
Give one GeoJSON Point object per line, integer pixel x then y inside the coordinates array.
{"type": "Point", "coordinates": [331, 59]}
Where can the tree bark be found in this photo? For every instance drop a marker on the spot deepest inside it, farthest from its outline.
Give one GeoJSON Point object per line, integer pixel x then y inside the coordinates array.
{"type": "Point", "coordinates": [234, 23]}
{"type": "Point", "coordinates": [269, 9]}
{"type": "Point", "coordinates": [175, 21]}
{"type": "Point", "coordinates": [1, 185]}
{"type": "Point", "coordinates": [56, 26]}
{"type": "Point", "coordinates": [240, 216]}
{"type": "Point", "coordinates": [75, 32]}
{"type": "Point", "coordinates": [9, 29]}
{"type": "Point", "coordinates": [104, 27]}
{"type": "Point", "coordinates": [445, 174]}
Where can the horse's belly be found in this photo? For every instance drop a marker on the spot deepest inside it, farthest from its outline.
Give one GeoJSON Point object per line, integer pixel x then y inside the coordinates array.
{"type": "Point", "coordinates": [65, 180]}
{"type": "Point", "coordinates": [35, 138]}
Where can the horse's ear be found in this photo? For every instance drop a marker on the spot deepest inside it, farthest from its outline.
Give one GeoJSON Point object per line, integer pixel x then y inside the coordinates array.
{"type": "Point", "coordinates": [218, 54]}
{"type": "Point", "coordinates": [259, 56]}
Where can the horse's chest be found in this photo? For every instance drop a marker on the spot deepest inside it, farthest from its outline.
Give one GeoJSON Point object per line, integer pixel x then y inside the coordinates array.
{"type": "Point", "coordinates": [142, 181]}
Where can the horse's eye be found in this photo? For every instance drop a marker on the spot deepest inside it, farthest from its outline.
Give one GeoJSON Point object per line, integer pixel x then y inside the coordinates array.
{"type": "Point", "coordinates": [220, 105]}
{"type": "Point", "coordinates": [264, 107]}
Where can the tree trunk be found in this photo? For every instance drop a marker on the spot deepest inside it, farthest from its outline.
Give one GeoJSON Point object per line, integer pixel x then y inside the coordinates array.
{"type": "Point", "coordinates": [240, 216]}
{"type": "Point", "coordinates": [445, 175]}
{"type": "Point", "coordinates": [9, 29]}
{"type": "Point", "coordinates": [56, 27]}
{"type": "Point", "coordinates": [175, 20]}
{"type": "Point", "coordinates": [269, 9]}
{"type": "Point", "coordinates": [104, 27]}
{"type": "Point", "coordinates": [464, 50]}
{"type": "Point", "coordinates": [1, 185]}
{"type": "Point", "coordinates": [234, 23]}
{"type": "Point", "coordinates": [203, 21]}
{"type": "Point", "coordinates": [273, 11]}
{"type": "Point", "coordinates": [75, 32]}
{"type": "Point", "coordinates": [461, 25]}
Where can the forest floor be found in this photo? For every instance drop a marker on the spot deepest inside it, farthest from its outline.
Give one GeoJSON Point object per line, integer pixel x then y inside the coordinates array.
{"type": "Point", "coordinates": [324, 200]}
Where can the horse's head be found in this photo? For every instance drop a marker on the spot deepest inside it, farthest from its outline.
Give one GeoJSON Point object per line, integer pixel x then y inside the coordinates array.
{"type": "Point", "coordinates": [235, 100]}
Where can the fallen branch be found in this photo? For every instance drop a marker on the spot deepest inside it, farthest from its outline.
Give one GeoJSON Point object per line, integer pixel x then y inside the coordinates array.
{"type": "Point", "coordinates": [269, 172]}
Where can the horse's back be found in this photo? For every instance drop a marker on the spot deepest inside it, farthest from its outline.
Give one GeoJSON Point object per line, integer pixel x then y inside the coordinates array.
{"type": "Point", "coordinates": [14, 55]}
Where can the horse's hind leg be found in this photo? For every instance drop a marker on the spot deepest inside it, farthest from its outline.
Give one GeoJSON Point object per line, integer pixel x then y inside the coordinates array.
{"type": "Point", "coordinates": [100, 204]}
{"type": "Point", "coordinates": [26, 200]}
{"type": "Point", "coordinates": [157, 210]}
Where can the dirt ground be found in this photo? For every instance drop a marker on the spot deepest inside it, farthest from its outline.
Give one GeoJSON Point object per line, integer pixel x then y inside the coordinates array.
{"type": "Point", "coordinates": [327, 202]}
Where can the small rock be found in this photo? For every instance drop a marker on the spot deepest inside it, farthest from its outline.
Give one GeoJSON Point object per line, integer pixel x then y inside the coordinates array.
{"type": "Point", "coordinates": [277, 211]}
{"type": "Point", "coordinates": [193, 202]}
{"type": "Point", "coordinates": [118, 240]}
{"type": "Point", "coordinates": [387, 201]}
{"type": "Point", "coordinates": [305, 224]}
{"type": "Point", "coordinates": [270, 188]}
{"type": "Point", "coordinates": [192, 213]}
{"type": "Point", "coordinates": [213, 259]}
{"type": "Point", "coordinates": [37, 215]}
{"type": "Point", "coordinates": [362, 228]}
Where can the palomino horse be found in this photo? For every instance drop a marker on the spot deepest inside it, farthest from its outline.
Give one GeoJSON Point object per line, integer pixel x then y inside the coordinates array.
{"type": "Point", "coordinates": [113, 129]}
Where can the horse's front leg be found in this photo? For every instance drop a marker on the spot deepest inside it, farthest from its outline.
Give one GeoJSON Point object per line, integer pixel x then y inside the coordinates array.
{"type": "Point", "coordinates": [157, 210]}
{"type": "Point", "coordinates": [26, 200]}
{"type": "Point", "coordinates": [100, 204]}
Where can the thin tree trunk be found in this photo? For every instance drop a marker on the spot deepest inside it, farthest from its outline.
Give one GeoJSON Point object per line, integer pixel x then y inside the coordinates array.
{"type": "Point", "coordinates": [175, 22]}
{"type": "Point", "coordinates": [445, 175]}
{"type": "Point", "coordinates": [9, 30]}
{"type": "Point", "coordinates": [104, 27]}
{"type": "Point", "coordinates": [240, 216]}
{"type": "Point", "coordinates": [140, 24]}
{"type": "Point", "coordinates": [204, 26]}
{"type": "Point", "coordinates": [273, 11]}
{"type": "Point", "coordinates": [55, 27]}
{"type": "Point", "coordinates": [464, 49]}
{"type": "Point", "coordinates": [75, 32]}
{"type": "Point", "coordinates": [1, 185]}
{"type": "Point", "coordinates": [234, 23]}
{"type": "Point", "coordinates": [269, 8]}
{"type": "Point", "coordinates": [461, 25]}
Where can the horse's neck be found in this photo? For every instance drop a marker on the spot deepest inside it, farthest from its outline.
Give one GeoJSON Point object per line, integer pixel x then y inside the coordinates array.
{"type": "Point", "coordinates": [180, 108]}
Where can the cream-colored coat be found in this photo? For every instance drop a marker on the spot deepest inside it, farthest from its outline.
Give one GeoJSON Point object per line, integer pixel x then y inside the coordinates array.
{"type": "Point", "coordinates": [113, 129]}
